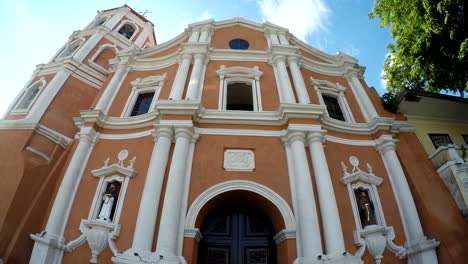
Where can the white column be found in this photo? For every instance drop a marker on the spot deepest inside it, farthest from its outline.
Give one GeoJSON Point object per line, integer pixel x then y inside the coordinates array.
{"type": "Point", "coordinates": [194, 36]}
{"type": "Point", "coordinates": [47, 96]}
{"type": "Point", "coordinates": [274, 39]}
{"type": "Point", "coordinates": [87, 46]}
{"type": "Point", "coordinates": [147, 214]}
{"type": "Point", "coordinates": [142, 38]}
{"type": "Point", "coordinates": [416, 241]}
{"type": "Point", "coordinates": [113, 87]}
{"type": "Point", "coordinates": [173, 200]}
{"type": "Point", "coordinates": [362, 98]}
{"type": "Point", "coordinates": [299, 85]}
{"type": "Point", "coordinates": [333, 235]}
{"type": "Point", "coordinates": [283, 77]}
{"type": "Point", "coordinates": [114, 20]}
{"type": "Point", "coordinates": [204, 35]}
{"type": "Point", "coordinates": [282, 38]}
{"type": "Point", "coordinates": [195, 77]}
{"type": "Point", "coordinates": [180, 78]}
{"type": "Point", "coordinates": [44, 250]}
{"type": "Point", "coordinates": [308, 226]}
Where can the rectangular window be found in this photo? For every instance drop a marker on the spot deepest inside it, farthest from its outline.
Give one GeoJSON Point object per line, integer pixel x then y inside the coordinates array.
{"type": "Point", "coordinates": [333, 107]}
{"type": "Point", "coordinates": [239, 97]}
{"type": "Point", "coordinates": [440, 140]}
{"type": "Point", "coordinates": [142, 104]}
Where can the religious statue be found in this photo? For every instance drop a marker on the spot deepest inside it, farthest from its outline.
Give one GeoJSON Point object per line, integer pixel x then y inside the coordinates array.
{"type": "Point", "coordinates": [366, 209]}
{"type": "Point", "coordinates": [108, 204]}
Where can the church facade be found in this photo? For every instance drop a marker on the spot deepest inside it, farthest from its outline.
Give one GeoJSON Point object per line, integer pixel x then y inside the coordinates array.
{"type": "Point", "coordinates": [234, 142]}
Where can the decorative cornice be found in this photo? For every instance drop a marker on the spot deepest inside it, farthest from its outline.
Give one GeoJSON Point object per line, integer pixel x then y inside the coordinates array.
{"type": "Point", "coordinates": [385, 143]}
{"type": "Point", "coordinates": [193, 233]}
{"type": "Point", "coordinates": [283, 235]}
{"type": "Point", "coordinates": [361, 176]}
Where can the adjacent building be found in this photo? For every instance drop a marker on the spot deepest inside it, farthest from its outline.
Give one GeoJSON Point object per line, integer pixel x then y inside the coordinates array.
{"type": "Point", "coordinates": [234, 142]}
{"type": "Point", "coordinates": [441, 124]}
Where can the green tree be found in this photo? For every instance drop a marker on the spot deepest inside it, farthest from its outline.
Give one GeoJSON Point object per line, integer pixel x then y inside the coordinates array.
{"type": "Point", "coordinates": [430, 49]}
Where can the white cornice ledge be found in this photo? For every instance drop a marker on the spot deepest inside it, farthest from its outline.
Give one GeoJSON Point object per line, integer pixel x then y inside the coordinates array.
{"type": "Point", "coordinates": [53, 135]}
{"type": "Point", "coordinates": [178, 107]}
{"type": "Point", "coordinates": [361, 176]}
{"type": "Point", "coordinates": [106, 170]}
{"type": "Point", "coordinates": [380, 123]}
{"type": "Point", "coordinates": [280, 117]}
{"type": "Point", "coordinates": [104, 121]}
{"type": "Point", "coordinates": [287, 111]}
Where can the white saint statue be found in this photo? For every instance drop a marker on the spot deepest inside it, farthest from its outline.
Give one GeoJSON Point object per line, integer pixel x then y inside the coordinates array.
{"type": "Point", "coordinates": [107, 209]}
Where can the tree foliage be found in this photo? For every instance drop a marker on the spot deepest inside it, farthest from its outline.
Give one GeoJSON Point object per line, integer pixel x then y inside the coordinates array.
{"type": "Point", "coordinates": [430, 49]}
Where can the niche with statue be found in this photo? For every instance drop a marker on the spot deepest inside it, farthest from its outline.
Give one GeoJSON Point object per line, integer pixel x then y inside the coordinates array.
{"type": "Point", "coordinates": [371, 231]}
{"type": "Point", "coordinates": [102, 226]}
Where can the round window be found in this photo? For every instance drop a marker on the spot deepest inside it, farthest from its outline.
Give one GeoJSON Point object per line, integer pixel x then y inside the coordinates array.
{"type": "Point", "coordinates": [239, 44]}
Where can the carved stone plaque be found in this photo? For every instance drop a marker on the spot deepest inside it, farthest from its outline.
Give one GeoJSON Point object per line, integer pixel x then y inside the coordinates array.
{"type": "Point", "coordinates": [239, 160]}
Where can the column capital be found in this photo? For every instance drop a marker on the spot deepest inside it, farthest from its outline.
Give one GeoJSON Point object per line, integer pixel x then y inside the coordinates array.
{"type": "Point", "coordinates": [294, 59]}
{"type": "Point", "coordinates": [186, 132]}
{"type": "Point", "coordinates": [292, 136]}
{"type": "Point", "coordinates": [316, 136]}
{"type": "Point", "coordinates": [278, 58]}
{"type": "Point", "coordinates": [88, 135]}
{"type": "Point", "coordinates": [184, 56]}
{"type": "Point", "coordinates": [385, 143]}
{"type": "Point", "coordinates": [166, 132]}
{"type": "Point", "coordinates": [199, 56]}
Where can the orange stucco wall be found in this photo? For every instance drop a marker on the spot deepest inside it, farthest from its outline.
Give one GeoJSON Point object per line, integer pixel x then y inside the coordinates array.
{"type": "Point", "coordinates": [73, 97]}
{"type": "Point", "coordinates": [221, 37]}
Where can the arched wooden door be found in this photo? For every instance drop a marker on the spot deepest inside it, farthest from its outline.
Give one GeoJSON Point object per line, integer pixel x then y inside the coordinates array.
{"type": "Point", "coordinates": [233, 234]}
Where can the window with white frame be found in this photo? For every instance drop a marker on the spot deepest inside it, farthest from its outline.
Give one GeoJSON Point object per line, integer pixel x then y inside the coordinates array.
{"type": "Point", "coordinates": [332, 96]}
{"type": "Point", "coordinates": [239, 89]}
{"type": "Point", "coordinates": [100, 59]}
{"type": "Point", "coordinates": [127, 30]}
{"type": "Point", "coordinates": [144, 94]}
{"type": "Point", "coordinates": [71, 48]}
{"type": "Point", "coordinates": [29, 96]}
{"type": "Point", "coordinates": [100, 21]}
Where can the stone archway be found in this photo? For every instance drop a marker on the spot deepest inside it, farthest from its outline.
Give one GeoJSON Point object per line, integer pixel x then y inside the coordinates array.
{"type": "Point", "coordinates": [273, 205]}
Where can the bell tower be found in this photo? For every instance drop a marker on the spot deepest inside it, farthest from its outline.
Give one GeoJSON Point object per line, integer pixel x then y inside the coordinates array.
{"type": "Point", "coordinates": [38, 130]}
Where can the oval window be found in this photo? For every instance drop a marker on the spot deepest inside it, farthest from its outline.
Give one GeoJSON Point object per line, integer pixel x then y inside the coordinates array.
{"type": "Point", "coordinates": [239, 44]}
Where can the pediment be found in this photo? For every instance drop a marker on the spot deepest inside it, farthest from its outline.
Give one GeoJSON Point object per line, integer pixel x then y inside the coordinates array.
{"type": "Point", "coordinates": [362, 177]}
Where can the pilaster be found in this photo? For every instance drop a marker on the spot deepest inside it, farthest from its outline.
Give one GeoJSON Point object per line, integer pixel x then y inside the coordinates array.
{"type": "Point", "coordinates": [171, 217]}
{"type": "Point", "coordinates": [48, 246]}
{"type": "Point", "coordinates": [306, 211]}
{"type": "Point", "coordinates": [181, 76]}
{"type": "Point", "coordinates": [107, 97]}
{"type": "Point", "coordinates": [419, 248]}
{"type": "Point", "coordinates": [147, 214]}
{"type": "Point", "coordinates": [333, 235]}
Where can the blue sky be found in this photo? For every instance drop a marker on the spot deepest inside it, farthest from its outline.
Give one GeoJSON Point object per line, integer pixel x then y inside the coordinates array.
{"type": "Point", "coordinates": [34, 30]}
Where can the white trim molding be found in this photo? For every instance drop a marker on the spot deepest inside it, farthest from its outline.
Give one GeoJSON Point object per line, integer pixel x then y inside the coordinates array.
{"type": "Point", "coordinates": [239, 74]}
{"type": "Point", "coordinates": [101, 48]}
{"type": "Point", "coordinates": [141, 86]}
{"type": "Point", "coordinates": [39, 85]}
{"type": "Point", "coordinates": [335, 90]}
{"type": "Point", "coordinates": [267, 193]}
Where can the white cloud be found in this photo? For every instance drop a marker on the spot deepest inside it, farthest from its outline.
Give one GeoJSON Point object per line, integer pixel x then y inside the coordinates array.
{"type": "Point", "coordinates": [204, 16]}
{"type": "Point", "coordinates": [383, 81]}
{"type": "Point", "coordinates": [301, 17]}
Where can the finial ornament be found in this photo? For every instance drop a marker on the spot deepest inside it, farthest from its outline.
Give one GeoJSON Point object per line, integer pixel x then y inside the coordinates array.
{"type": "Point", "coordinates": [370, 169]}
{"type": "Point", "coordinates": [132, 163]}
{"type": "Point", "coordinates": [344, 168]}
{"type": "Point", "coordinates": [106, 162]}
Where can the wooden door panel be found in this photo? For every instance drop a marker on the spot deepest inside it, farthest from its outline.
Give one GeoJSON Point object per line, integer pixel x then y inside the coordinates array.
{"type": "Point", "coordinates": [236, 235]}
